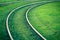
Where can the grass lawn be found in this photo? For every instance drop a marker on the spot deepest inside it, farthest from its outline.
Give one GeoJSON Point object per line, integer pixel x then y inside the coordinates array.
{"type": "Point", "coordinates": [46, 19]}
{"type": "Point", "coordinates": [19, 27]}
{"type": "Point", "coordinates": [4, 11]}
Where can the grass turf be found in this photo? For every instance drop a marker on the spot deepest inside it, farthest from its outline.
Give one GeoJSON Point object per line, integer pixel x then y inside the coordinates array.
{"type": "Point", "coordinates": [4, 11]}
{"type": "Point", "coordinates": [19, 27]}
{"type": "Point", "coordinates": [46, 19]}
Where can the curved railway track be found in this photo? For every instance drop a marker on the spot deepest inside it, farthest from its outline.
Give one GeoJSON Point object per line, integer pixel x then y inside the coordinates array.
{"type": "Point", "coordinates": [20, 7]}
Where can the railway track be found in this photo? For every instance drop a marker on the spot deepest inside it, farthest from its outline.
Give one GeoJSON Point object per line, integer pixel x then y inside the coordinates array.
{"type": "Point", "coordinates": [20, 7]}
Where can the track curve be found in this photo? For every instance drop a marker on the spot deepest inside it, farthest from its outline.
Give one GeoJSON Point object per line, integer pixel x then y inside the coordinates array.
{"type": "Point", "coordinates": [7, 26]}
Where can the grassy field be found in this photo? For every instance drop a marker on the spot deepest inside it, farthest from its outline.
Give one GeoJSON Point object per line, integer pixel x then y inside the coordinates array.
{"type": "Point", "coordinates": [18, 25]}
{"type": "Point", "coordinates": [46, 19]}
{"type": "Point", "coordinates": [5, 9]}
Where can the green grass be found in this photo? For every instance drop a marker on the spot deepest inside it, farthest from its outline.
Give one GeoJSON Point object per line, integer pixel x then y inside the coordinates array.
{"type": "Point", "coordinates": [20, 0]}
{"type": "Point", "coordinates": [19, 27]}
{"type": "Point", "coordinates": [19, 32]}
{"type": "Point", "coordinates": [46, 19]}
{"type": "Point", "coordinates": [4, 11]}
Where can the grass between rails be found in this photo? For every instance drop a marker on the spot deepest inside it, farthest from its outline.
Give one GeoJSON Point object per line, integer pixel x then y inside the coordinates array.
{"type": "Point", "coordinates": [4, 11]}
{"type": "Point", "coordinates": [46, 19]}
{"type": "Point", "coordinates": [19, 27]}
